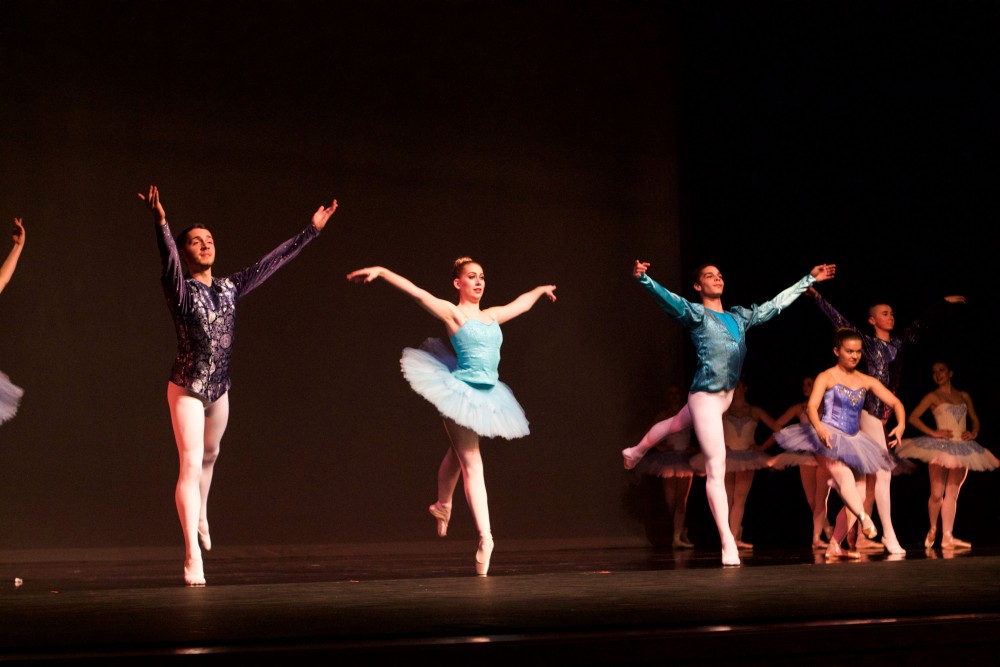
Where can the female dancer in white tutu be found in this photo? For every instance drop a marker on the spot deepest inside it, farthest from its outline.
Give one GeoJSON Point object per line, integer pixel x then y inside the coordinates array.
{"type": "Point", "coordinates": [670, 461]}
{"type": "Point", "coordinates": [464, 384]}
{"type": "Point", "coordinates": [719, 337]}
{"type": "Point", "coordinates": [845, 451]}
{"type": "Point", "coordinates": [813, 477]}
{"type": "Point", "coordinates": [203, 309]}
{"type": "Point", "coordinates": [10, 394]}
{"type": "Point", "coordinates": [950, 451]}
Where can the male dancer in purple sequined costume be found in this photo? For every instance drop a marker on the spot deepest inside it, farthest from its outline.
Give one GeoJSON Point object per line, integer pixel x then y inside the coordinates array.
{"type": "Point", "coordinates": [883, 360]}
{"type": "Point", "coordinates": [204, 312]}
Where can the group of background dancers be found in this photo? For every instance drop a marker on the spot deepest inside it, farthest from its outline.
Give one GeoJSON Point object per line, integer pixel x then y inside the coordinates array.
{"type": "Point", "coordinates": [843, 439]}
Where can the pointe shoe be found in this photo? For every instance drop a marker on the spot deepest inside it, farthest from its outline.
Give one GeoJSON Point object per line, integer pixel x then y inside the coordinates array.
{"type": "Point", "coordinates": [929, 540]}
{"type": "Point", "coordinates": [483, 555]}
{"type": "Point", "coordinates": [868, 526]}
{"type": "Point", "coordinates": [442, 513]}
{"type": "Point", "coordinates": [836, 552]}
{"type": "Point", "coordinates": [730, 555]}
{"type": "Point", "coordinates": [949, 541]}
{"type": "Point", "coordinates": [864, 544]}
{"type": "Point", "coordinates": [205, 538]}
{"type": "Point", "coordinates": [893, 548]}
{"type": "Point", "coordinates": [194, 572]}
{"type": "Point", "coordinates": [631, 458]}
{"type": "Point", "coordinates": [740, 544]}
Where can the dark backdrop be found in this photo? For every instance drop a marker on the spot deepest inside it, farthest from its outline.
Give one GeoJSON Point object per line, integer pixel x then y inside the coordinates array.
{"type": "Point", "coordinates": [555, 142]}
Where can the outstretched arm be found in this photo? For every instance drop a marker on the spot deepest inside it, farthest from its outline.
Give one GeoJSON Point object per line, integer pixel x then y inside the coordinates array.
{"type": "Point", "coordinates": [521, 304]}
{"type": "Point", "coordinates": [769, 309]}
{"type": "Point", "coordinates": [323, 214]}
{"type": "Point", "coordinates": [9, 264]}
{"type": "Point", "coordinates": [445, 311]}
{"type": "Point", "coordinates": [155, 207]}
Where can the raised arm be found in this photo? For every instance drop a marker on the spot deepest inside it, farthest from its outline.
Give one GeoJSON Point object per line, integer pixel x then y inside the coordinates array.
{"type": "Point", "coordinates": [445, 311]}
{"type": "Point", "coordinates": [9, 264]}
{"type": "Point", "coordinates": [521, 304]}
{"type": "Point", "coordinates": [775, 306]}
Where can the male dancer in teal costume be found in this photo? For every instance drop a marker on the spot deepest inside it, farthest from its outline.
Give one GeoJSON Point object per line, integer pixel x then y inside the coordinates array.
{"type": "Point", "coordinates": [719, 337]}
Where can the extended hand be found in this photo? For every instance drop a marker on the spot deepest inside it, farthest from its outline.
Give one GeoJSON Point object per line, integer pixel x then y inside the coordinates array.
{"type": "Point", "coordinates": [153, 202]}
{"type": "Point", "coordinates": [823, 272]}
{"type": "Point", "coordinates": [639, 268]}
{"type": "Point", "coordinates": [364, 275]}
{"type": "Point", "coordinates": [323, 214]}
{"type": "Point", "coordinates": [955, 299]}
{"type": "Point", "coordinates": [18, 235]}
{"type": "Point", "coordinates": [549, 291]}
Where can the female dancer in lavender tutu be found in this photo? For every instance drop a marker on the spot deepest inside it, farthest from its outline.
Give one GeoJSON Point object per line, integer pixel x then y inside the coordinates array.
{"type": "Point", "coordinates": [845, 451]}
{"type": "Point", "coordinates": [10, 394]}
{"type": "Point", "coordinates": [719, 337]}
{"type": "Point", "coordinates": [813, 477]}
{"type": "Point", "coordinates": [204, 312]}
{"type": "Point", "coordinates": [950, 451]}
{"type": "Point", "coordinates": [464, 385]}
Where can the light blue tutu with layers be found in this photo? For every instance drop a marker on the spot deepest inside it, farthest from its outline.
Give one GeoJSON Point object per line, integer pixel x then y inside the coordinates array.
{"type": "Point", "coordinates": [488, 409]}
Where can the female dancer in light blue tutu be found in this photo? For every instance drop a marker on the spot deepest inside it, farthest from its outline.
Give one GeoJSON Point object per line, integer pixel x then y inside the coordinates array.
{"type": "Point", "coordinates": [845, 451]}
{"type": "Point", "coordinates": [464, 384]}
{"type": "Point", "coordinates": [950, 451]}
{"type": "Point", "coordinates": [719, 337]}
{"type": "Point", "coordinates": [10, 393]}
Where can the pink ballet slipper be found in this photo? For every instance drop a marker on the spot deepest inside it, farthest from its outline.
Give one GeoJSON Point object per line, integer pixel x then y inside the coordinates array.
{"type": "Point", "coordinates": [483, 554]}
{"type": "Point", "coordinates": [204, 537]}
{"type": "Point", "coordinates": [442, 513]}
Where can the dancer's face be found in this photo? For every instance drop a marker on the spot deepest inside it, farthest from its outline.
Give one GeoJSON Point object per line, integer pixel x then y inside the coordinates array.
{"type": "Point", "coordinates": [941, 373]}
{"type": "Point", "coordinates": [807, 386]}
{"type": "Point", "coordinates": [881, 317]}
{"type": "Point", "coordinates": [471, 283]}
{"type": "Point", "coordinates": [198, 252]}
{"type": "Point", "coordinates": [710, 282]}
{"type": "Point", "coordinates": [848, 354]}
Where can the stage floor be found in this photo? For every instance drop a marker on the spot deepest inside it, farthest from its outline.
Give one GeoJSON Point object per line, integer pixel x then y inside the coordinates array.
{"type": "Point", "coordinates": [542, 603]}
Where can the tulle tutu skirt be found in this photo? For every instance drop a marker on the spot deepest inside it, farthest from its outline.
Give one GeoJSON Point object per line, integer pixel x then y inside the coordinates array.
{"type": "Point", "coordinates": [737, 460]}
{"type": "Point", "coordinates": [492, 412]}
{"type": "Point", "coordinates": [10, 398]}
{"type": "Point", "coordinates": [667, 463]}
{"type": "Point", "coordinates": [948, 453]}
{"type": "Point", "coordinates": [786, 460]}
{"type": "Point", "coordinates": [859, 452]}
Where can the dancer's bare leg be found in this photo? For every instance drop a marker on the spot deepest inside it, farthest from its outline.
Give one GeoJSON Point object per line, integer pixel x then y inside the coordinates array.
{"type": "Point", "coordinates": [949, 507]}
{"type": "Point", "coordinates": [465, 444]}
{"type": "Point", "coordinates": [447, 479]}
{"type": "Point", "coordinates": [851, 488]}
{"type": "Point", "coordinates": [938, 478]}
{"type": "Point", "coordinates": [679, 422]}
{"type": "Point", "coordinates": [675, 493]}
{"type": "Point", "coordinates": [742, 481]}
{"type": "Point", "coordinates": [706, 416]}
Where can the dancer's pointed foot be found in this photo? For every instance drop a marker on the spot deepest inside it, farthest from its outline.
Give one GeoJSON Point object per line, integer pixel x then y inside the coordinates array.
{"type": "Point", "coordinates": [194, 572]}
{"type": "Point", "coordinates": [819, 544]}
{"type": "Point", "coordinates": [631, 457]}
{"type": "Point", "coordinates": [204, 537]}
{"type": "Point", "coordinates": [483, 555]}
{"type": "Point", "coordinates": [864, 544]}
{"type": "Point", "coordinates": [442, 513]}
{"type": "Point", "coordinates": [867, 526]}
{"type": "Point", "coordinates": [949, 541]}
{"type": "Point", "coordinates": [931, 536]}
{"type": "Point", "coordinates": [836, 552]}
{"type": "Point", "coordinates": [730, 554]}
{"type": "Point", "coordinates": [893, 547]}
{"type": "Point", "coordinates": [740, 544]}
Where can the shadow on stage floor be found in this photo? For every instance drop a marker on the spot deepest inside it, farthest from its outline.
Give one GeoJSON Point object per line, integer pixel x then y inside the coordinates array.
{"type": "Point", "coordinates": [563, 603]}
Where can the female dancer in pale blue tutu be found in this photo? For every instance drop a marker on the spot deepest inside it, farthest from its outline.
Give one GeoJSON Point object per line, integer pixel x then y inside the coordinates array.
{"type": "Point", "coordinates": [845, 451]}
{"type": "Point", "coordinates": [464, 385]}
{"type": "Point", "coordinates": [950, 451]}
{"type": "Point", "coordinates": [719, 337]}
{"type": "Point", "coordinates": [10, 393]}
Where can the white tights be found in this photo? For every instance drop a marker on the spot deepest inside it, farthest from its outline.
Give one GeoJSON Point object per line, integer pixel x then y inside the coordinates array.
{"type": "Point", "coordinates": [877, 492]}
{"type": "Point", "coordinates": [703, 412]}
{"type": "Point", "coordinates": [198, 430]}
{"type": "Point", "coordinates": [464, 458]}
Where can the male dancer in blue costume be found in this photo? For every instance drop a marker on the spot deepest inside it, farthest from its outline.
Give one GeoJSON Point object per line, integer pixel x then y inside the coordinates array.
{"type": "Point", "coordinates": [719, 337]}
{"type": "Point", "coordinates": [883, 360]}
{"type": "Point", "coordinates": [204, 312]}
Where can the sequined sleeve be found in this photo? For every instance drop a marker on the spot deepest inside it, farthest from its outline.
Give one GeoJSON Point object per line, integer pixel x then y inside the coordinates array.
{"type": "Point", "coordinates": [253, 276]}
{"type": "Point", "coordinates": [172, 274]}
{"type": "Point", "coordinates": [832, 314]}
{"type": "Point", "coordinates": [767, 310]}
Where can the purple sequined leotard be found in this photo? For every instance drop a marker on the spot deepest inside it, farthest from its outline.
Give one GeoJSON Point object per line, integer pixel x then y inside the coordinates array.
{"type": "Point", "coordinates": [205, 315]}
